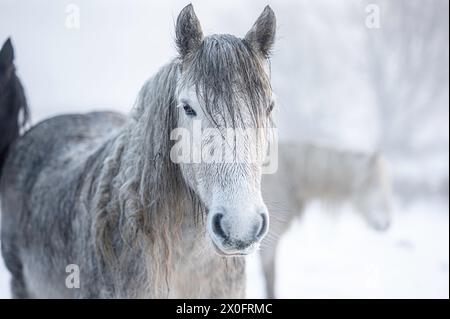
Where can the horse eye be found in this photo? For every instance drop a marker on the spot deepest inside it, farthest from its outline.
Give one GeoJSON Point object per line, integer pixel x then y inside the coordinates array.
{"type": "Point", "coordinates": [189, 110]}
{"type": "Point", "coordinates": [271, 106]}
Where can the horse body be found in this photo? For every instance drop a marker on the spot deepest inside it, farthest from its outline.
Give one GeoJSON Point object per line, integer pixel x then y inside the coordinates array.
{"type": "Point", "coordinates": [44, 221]}
{"type": "Point", "coordinates": [49, 195]}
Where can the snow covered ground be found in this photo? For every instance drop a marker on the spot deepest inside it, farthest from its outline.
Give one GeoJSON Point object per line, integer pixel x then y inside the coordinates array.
{"type": "Point", "coordinates": [324, 256]}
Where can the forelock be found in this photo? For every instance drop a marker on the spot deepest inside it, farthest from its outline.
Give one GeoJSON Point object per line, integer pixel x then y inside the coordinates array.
{"type": "Point", "coordinates": [229, 77]}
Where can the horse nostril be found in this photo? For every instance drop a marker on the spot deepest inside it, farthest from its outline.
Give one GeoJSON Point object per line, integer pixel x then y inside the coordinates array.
{"type": "Point", "coordinates": [217, 226]}
{"type": "Point", "coordinates": [263, 226]}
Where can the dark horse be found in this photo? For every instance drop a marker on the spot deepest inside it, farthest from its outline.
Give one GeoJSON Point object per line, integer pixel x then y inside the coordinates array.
{"type": "Point", "coordinates": [13, 104]}
{"type": "Point", "coordinates": [101, 200]}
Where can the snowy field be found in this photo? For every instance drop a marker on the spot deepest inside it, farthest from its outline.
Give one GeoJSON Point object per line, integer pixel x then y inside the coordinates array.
{"type": "Point", "coordinates": [324, 256]}
{"type": "Point", "coordinates": [328, 256]}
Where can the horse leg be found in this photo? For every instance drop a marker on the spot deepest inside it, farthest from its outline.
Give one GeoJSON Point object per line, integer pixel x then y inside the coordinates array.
{"type": "Point", "coordinates": [269, 253]}
{"type": "Point", "coordinates": [18, 288]}
{"type": "Point", "coordinates": [14, 265]}
{"type": "Point", "coordinates": [268, 260]}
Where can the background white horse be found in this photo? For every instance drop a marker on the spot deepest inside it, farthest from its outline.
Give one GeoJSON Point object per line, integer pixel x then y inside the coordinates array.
{"type": "Point", "coordinates": [308, 172]}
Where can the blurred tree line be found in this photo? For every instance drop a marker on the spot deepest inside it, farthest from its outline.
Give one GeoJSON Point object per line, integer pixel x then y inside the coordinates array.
{"type": "Point", "coordinates": [385, 89]}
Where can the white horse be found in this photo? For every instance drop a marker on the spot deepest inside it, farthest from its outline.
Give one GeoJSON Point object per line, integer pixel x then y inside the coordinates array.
{"type": "Point", "coordinates": [308, 172]}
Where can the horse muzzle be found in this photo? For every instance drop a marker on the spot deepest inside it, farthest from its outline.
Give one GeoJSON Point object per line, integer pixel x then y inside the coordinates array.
{"type": "Point", "coordinates": [235, 235]}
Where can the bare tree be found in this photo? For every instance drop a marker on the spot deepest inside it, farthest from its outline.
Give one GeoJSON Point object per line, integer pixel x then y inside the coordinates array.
{"type": "Point", "coordinates": [408, 67]}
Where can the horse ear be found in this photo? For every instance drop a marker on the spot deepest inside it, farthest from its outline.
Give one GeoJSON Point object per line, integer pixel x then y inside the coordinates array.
{"type": "Point", "coordinates": [7, 53]}
{"type": "Point", "coordinates": [262, 35]}
{"type": "Point", "coordinates": [188, 31]}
